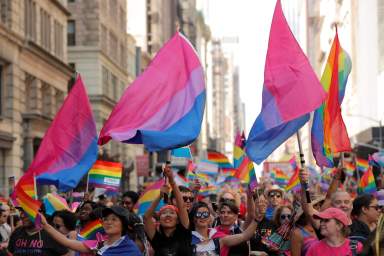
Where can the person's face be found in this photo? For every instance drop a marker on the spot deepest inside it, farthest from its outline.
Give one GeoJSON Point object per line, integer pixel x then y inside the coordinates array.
{"type": "Point", "coordinates": [112, 224]}
{"type": "Point", "coordinates": [27, 223]}
{"type": "Point", "coordinates": [261, 205]}
{"type": "Point", "coordinates": [201, 217]}
{"type": "Point", "coordinates": [372, 212]}
{"type": "Point", "coordinates": [227, 217]}
{"type": "Point", "coordinates": [168, 218]}
{"type": "Point", "coordinates": [188, 199]}
{"type": "Point", "coordinates": [286, 215]}
{"type": "Point", "coordinates": [58, 224]}
{"type": "Point", "coordinates": [4, 217]}
{"type": "Point", "coordinates": [84, 212]}
{"type": "Point", "coordinates": [343, 202]}
{"type": "Point", "coordinates": [127, 203]}
{"type": "Point", "coordinates": [275, 198]}
{"type": "Point", "coordinates": [329, 227]}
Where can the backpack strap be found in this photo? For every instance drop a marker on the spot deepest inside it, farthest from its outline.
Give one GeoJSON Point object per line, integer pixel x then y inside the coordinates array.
{"type": "Point", "coordinates": [353, 247]}
{"type": "Point", "coordinates": [216, 241]}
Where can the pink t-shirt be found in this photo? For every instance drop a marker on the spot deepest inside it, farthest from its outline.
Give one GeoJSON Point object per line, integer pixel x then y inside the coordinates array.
{"type": "Point", "coordinates": [322, 248]}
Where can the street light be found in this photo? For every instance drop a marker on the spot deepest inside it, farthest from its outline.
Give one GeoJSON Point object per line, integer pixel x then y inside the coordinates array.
{"type": "Point", "coordinates": [379, 122]}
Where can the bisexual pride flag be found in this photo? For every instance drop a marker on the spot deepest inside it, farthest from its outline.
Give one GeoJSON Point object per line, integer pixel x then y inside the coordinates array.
{"type": "Point", "coordinates": [291, 91]}
{"type": "Point", "coordinates": [163, 108]}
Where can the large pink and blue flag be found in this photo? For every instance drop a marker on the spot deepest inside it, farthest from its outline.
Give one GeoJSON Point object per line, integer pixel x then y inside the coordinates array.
{"type": "Point", "coordinates": [291, 91]}
{"type": "Point", "coordinates": [163, 108]}
{"type": "Point", "coordinates": [69, 147]}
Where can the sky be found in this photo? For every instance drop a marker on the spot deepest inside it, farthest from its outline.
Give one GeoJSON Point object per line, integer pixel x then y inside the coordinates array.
{"type": "Point", "coordinates": [250, 21]}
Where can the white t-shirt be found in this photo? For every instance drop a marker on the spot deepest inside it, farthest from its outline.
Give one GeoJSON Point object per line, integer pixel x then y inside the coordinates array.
{"type": "Point", "coordinates": [5, 232]}
{"type": "Point", "coordinates": [205, 248]}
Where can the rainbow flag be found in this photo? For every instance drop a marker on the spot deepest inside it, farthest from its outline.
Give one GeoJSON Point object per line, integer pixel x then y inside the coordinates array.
{"type": "Point", "coordinates": [367, 182]}
{"type": "Point", "coordinates": [209, 190]}
{"type": "Point", "coordinates": [294, 181]}
{"type": "Point", "coordinates": [30, 205]}
{"type": "Point", "coordinates": [349, 168]}
{"type": "Point", "coordinates": [279, 176]}
{"type": "Point", "coordinates": [329, 134]}
{"type": "Point", "coordinates": [150, 193]}
{"type": "Point", "coordinates": [238, 150]}
{"type": "Point", "coordinates": [69, 147]}
{"type": "Point", "coordinates": [91, 229]}
{"type": "Point", "coordinates": [218, 158]}
{"type": "Point", "coordinates": [361, 164]}
{"type": "Point", "coordinates": [53, 203]}
{"type": "Point", "coordinates": [164, 107]}
{"type": "Point", "coordinates": [291, 91]}
{"type": "Point", "coordinates": [105, 175]}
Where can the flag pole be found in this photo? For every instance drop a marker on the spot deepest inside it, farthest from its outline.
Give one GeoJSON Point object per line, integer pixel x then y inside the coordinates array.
{"type": "Point", "coordinates": [304, 185]}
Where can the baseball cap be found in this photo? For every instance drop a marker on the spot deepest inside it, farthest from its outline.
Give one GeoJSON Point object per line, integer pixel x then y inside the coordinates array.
{"type": "Point", "coordinates": [117, 210]}
{"type": "Point", "coordinates": [334, 213]}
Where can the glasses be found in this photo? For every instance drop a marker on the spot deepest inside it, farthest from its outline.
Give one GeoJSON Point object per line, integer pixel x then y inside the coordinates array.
{"type": "Point", "coordinates": [126, 203]}
{"type": "Point", "coordinates": [188, 198]}
{"type": "Point", "coordinates": [222, 200]}
{"type": "Point", "coordinates": [272, 194]}
{"type": "Point", "coordinates": [285, 216]}
{"type": "Point", "coordinates": [376, 207]}
{"type": "Point", "coordinates": [202, 215]}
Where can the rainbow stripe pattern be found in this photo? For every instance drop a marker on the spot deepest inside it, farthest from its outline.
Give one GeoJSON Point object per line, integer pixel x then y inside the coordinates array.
{"type": "Point", "coordinates": [105, 175]}
{"type": "Point", "coordinates": [150, 193]}
{"type": "Point", "coordinates": [294, 181]}
{"type": "Point", "coordinates": [291, 91]}
{"type": "Point", "coordinates": [367, 182]}
{"type": "Point", "coordinates": [362, 164]}
{"type": "Point", "coordinates": [218, 158]}
{"type": "Point", "coordinates": [69, 147]}
{"type": "Point", "coordinates": [30, 205]}
{"type": "Point", "coordinates": [329, 134]}
{"type": "Point", "coordinates": [349, 168]}
{"type": "Point", "coordinates": [163, 108]}
{"type": "Point", "coordinates": [279, 176]}
{"type": "Point", "coordinates": [89, 231]}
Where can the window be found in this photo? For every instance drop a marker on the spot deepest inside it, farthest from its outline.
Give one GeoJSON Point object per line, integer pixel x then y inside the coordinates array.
{"type": "Point", "coordinates": [59, 47]}
{"type": "Point", "coordinates": [71, 33]}
{"type": "Point", "coordinates": [30, 19]}
{"type": "Point", "coordinates": [123, 19]}
{"type": "Point", "coordinates": [113, 46]}
{"type": "Point", "coordinates": [123, 56]}
{"type": "Point", "coordinates": [47, 99]}
{"type": "Point", "coordinates": [114, 88]}
{"type": "Point", "coordinates": [113, 9]}
{"type": "Point", "coordinates": [45, 29]}
{"type": "Point", "coordinates": [4, 11]}
{"type": "Point", "coordinates": [105, 81]}
{"type": "Point", "coordinates": [104, 39]}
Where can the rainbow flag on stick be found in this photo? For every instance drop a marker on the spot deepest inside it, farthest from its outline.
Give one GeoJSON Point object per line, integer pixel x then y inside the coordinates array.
{"type": "Point", "coordinates": [30, 206]}
{"type": "Point", "coordinates": [362, 165]}
{"type": "Point", "coordinates": [294, 181]}
{"type": "Point", "coordinates": [91, 229]}
{"type": "Point", "coordinates": [280, 177]}
{"type": "Point", "coordinates": [367, 182]}
{"type": "Point", "coordinates": [329, 134]}
{"type": "Point", "coordinates": [150, 193]}
{"type": "Point", "coordinates": [220, 159]}
{"type": "Point", "coordinates": [105, 175]}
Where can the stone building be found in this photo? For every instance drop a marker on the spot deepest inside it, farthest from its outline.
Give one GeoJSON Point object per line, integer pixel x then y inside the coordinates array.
{"type": "Point", "coordinates": [33, 78]}
{"type": "Point", "coordinates": [100, 49]}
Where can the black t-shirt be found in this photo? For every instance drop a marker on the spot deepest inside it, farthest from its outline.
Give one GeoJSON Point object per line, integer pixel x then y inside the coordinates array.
{"type": "Point", "coordinates": [23, 244]}
{"type": "Point", "coordinates": [264, 228]}
{"type": "Point", "coordinates": [240, 249]}
{"type": "Point", "coordinates": [178, 244]}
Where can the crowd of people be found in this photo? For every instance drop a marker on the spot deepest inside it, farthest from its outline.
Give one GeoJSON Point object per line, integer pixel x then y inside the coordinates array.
{"type": "Point", "coordinates": [261, 221]}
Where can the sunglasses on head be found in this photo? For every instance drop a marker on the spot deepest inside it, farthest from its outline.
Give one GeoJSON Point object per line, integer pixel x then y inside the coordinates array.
{"type": "Point", "coordinates": [188, 198]}
{"type": "Point", "coordinates": [274, 194]}
{"type": "Point", "coordinates": [202, 215]}
{"type": "Point", "coordinates": [285, 216]}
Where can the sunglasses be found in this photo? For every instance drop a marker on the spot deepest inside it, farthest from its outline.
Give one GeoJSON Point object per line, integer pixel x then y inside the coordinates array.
{"type": "Point", "coordinates": [56, 226]}
{"type": "Point", "coordinates": [376, 207]}
{"type": "Point", "coordinates": [285, 216]}
{"type": "Point", "coordinates": [202, 215]}
{"type": "Point", "coordinates": [272, 194]}
{"type": "Point", "coordinates": [188, 198]}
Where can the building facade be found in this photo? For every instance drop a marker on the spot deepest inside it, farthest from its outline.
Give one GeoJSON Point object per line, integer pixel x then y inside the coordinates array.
{"type": "Point", "coordinates": [100, 49]}
{"type": "Point", "coordinates": [33, 78]}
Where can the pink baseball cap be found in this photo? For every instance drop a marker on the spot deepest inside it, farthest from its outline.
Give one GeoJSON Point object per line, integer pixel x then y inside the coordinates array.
{"type": "Point", "coordinates": [334, 213]}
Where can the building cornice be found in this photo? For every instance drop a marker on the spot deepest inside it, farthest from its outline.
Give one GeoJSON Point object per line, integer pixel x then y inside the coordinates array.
{"type": "Point", "coordinates": [61, 7]}
{"type": "Point", "coordinates": [103, 100]}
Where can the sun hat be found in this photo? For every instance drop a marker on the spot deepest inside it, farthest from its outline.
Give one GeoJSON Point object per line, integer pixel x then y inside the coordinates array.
{"type": "Point", "coordinates": [334, 213]}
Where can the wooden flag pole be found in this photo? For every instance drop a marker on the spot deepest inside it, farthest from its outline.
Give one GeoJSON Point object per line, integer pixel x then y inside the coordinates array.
{"type": "Point", "coordinates": [304, 185]}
